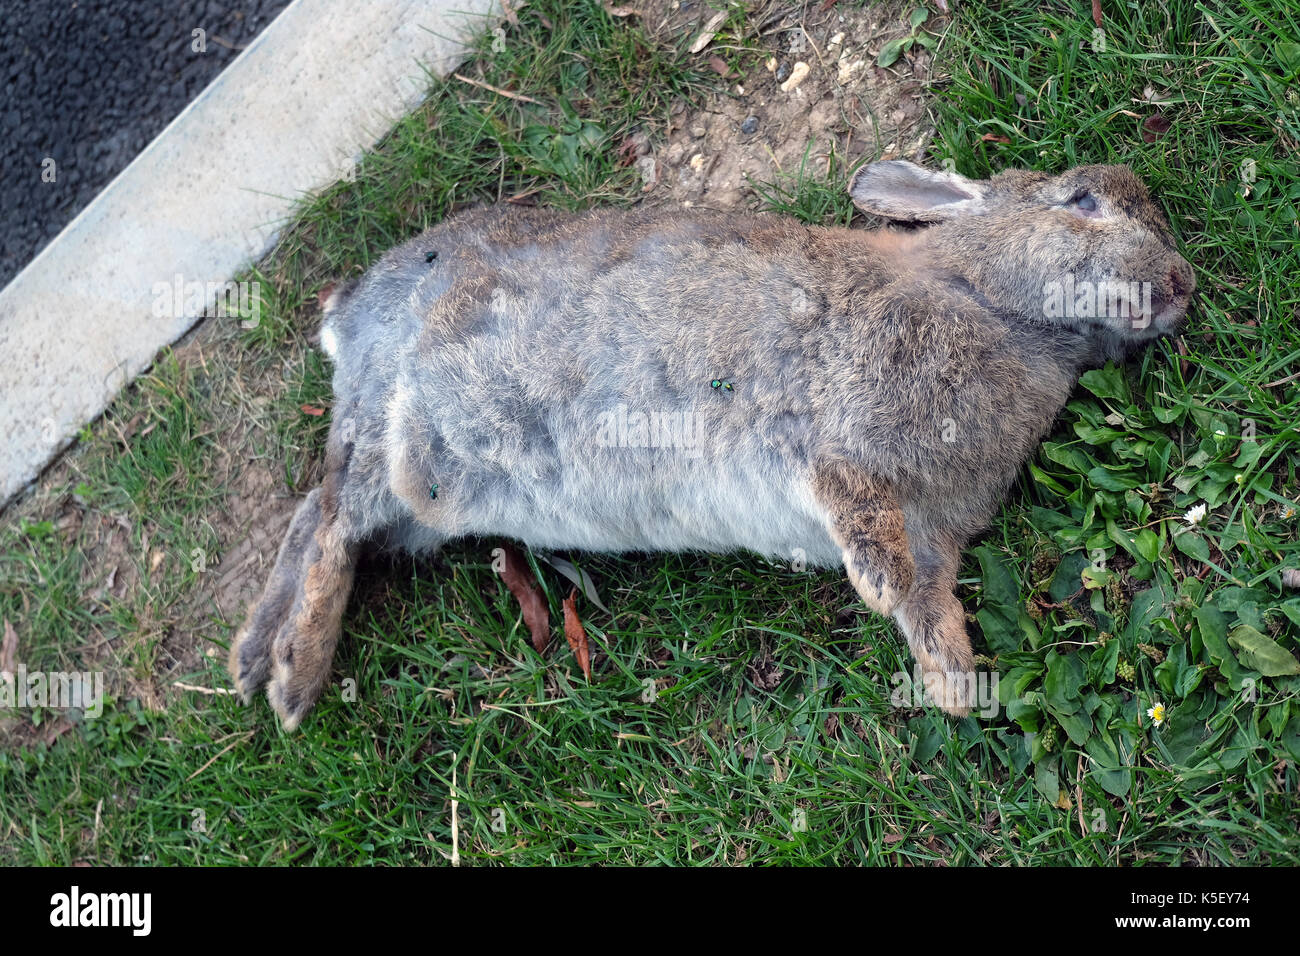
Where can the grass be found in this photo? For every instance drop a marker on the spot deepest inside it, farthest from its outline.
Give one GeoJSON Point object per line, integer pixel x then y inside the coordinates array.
{"type": "Point", "coordinates": [740, 711]}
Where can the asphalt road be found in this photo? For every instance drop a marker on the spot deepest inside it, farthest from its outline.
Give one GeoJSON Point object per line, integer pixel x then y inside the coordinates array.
{"type": "Point", "coordinates": [87, 84]}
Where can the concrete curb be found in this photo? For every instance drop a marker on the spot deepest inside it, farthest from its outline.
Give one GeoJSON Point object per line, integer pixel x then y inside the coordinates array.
{"type": "Point", "coordinates": [203, 201]}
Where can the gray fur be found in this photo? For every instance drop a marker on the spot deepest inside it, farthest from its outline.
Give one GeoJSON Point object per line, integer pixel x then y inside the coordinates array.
{"type": "Point", "coordinates": [884, 386]}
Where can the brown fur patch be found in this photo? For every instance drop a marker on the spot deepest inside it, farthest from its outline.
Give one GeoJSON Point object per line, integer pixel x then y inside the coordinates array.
{"type": "Point", "coordinates": [867, 522]}
{"type": "Point", "coordinates": [304, 650]}
{"type": "Point", "coordinates": [937, 635]}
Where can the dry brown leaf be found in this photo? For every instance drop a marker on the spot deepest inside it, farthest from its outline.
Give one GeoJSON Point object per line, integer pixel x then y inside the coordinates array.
{"type": "Point", "coordinates": [9, 650]}
{"type": "Point", "coordinates": [765, 673]}
{"type": "Point", "coordinates": [312, 409]}
{"type": "Point", "coordinates": [575, 634]}
{"type": "Point", "coordinates": [709, 32]}
{"type": "Point", "coordinates": [1096, 13]}
{"type": "Point", "coordinates": [614, 11]}
{"type": "Point", "coordinates": [1153, 127]}
{"type": "Point", "coordinates": [993, 138]}
{"type": "Point", "coordinates": [519, 579]}
{"type": "Point", "coordinates": [719, 65]}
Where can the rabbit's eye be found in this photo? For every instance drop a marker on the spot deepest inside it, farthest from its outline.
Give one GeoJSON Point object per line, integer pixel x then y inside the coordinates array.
{"type": "Point", "coordinates": [1084, 202]}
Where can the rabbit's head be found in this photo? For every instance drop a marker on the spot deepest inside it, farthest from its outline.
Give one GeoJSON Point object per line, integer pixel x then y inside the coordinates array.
{"type": "Point", "coordinates": [1087, 249]}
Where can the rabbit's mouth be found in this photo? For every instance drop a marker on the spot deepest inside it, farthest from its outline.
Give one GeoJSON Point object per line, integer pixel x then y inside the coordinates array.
{"type": "Point", "coordinates": [1142, 320]}
{"type": "Point", "coordinates": [1160, 307]}
{"type": "Point", "coordinates": [1169, 304]}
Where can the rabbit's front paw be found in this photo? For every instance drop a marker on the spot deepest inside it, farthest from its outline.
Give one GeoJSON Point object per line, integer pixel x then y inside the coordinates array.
{"type": "Point", "coordinates": [866, 521]}
{"type": "Point", "coordinates": [936, 634]}
{"type": "Point", "coordinates": [880, 590]}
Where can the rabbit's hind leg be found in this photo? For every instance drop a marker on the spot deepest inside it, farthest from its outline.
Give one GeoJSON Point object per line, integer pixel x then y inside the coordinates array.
{"type": "Point", "coordinates": [288, 642]}
{"type": "Point", "coordinates": [250, 652]}
{"type": "Point", "coordinates": [934, 623]}
{"type": "Point", "coordinates": [303, 649]}
{"type": "Point", "coordinates": [866, 522]}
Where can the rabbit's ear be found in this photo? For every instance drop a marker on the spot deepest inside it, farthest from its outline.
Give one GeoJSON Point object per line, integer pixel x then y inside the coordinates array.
{"type": "Point", "coordinates": [900, 190]}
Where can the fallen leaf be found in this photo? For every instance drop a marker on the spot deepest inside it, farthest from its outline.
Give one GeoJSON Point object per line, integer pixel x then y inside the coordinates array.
{"type": "Point", "coordinates": [9, 649]}
{"type": "Point", "coordinates": [1153, 127]}
{"type": "Point", "coordinates": [893, 838]}
{"type": "Point", "coordinates": [579, 577]}
{"type": "Point", "coordinates": [765, 673]}
{"type": "Point", "coordinates": [993, 138]}
{"type": "Point", "coordinates": [719, 65]}
{"type": "Point", "coordinates": [1290, 579]}
{"type": "Point", "coordinates": [519, 579]}
{"type": "Point", "coordinates": [614, 11]}
{"type": "Point", "coordinates": [1096, 13]}
{"type": "Point", "coordinates": [632, 146]}
{"type": "Point", "coordinates": [312, 409]}
{"type": "Point", "coordinates": [709, 32]}
{"type": "Point", "coordinates": [575, 634]}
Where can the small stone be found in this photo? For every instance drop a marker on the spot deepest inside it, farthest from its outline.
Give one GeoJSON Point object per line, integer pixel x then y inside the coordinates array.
{"type": "Point", "coordinates": [798, 73]}
{"type": "Point", "coordinates": [697, 162]}
{"type": "Point", "coordinates": [649, 172]}
{"type": "Point", "coordinates": [750, 126]}
{"type": "Point", "coordinates": [782, 72]}
{"type": "Point", "coordinates": [698, 132]}
{"type": "Point", "coordinates": [771, 64]}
